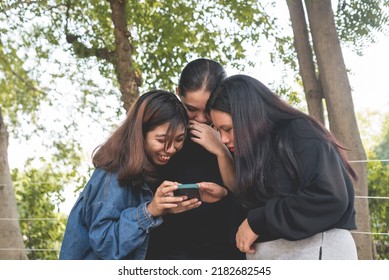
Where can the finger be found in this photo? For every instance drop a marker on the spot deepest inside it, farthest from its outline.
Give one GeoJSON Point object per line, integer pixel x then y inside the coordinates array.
{"type": "Point", "coordinates": [196, 140]}
{"type": "Point", "coordinates": [167, 183]}
{"type": "Point", "coordinates": [252, 249]}
{"type": "Point", "coordinates": [167, 189]}
{"type": "Point", "coordinates": [193, 122]}
{"type": "Point", "coordinates": [240, 246]}
{"type": "Point", "coordinates": [191, 206]}
{"type": "Point", "coordinates": [194, 205]}
{"type": "Point", "coordinates": [206, 184]}
{"type": "Point", "coordinates": [196, 133]}
{"type": "Point", "coordinates": [169, 194]}
{"type": "Point", "coordinates": [181, 208]}
{"type": "Point", "coordinates": [201, 127]}
{"type": "Point", "coordinates": [169, 206]}
{"type": "Point", "coordinates": [205, 188]}
{"type": "Point", "coordinates": [189, 202]}
{"type": "Point", "coordinates": [194, 126]}
{"type": "Point", "coordinates": [172, 199]}
{"type": "Point", "coordinates": [184, 197]}
{"type": "Point", "coordinates": [245, 248]}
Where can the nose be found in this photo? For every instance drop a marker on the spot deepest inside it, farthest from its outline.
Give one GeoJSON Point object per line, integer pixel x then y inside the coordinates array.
{"type": "Point", "coordinates": [202, 118]}
{"type": "Point", "coordinates": [224, 138]}
{"type": "Point", "coordinates": [171, 149]}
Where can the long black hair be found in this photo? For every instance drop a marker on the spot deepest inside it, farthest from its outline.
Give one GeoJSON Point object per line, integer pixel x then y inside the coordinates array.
{"type": "Point", "coordinates": [258, 116]}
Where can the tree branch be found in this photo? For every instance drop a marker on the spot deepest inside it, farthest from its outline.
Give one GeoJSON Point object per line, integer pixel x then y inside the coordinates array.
{"type": "Point", "coordinates": [83, 51]}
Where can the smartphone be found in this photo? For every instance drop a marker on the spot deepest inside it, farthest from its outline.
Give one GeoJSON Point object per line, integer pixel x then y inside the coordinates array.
{"type": "Point", "coordinates": [190, 190]}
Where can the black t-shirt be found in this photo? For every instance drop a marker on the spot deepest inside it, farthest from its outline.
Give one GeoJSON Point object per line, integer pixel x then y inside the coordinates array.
{"type": "Point", "coordinates": [207, 232]}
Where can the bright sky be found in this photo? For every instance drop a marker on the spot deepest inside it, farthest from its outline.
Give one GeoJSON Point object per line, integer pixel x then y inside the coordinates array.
{"type": "Point", "coordinates": [369, 76]}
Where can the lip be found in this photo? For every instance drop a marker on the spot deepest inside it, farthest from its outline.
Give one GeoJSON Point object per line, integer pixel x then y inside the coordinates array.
{"type": "Point", "coordinates": [231, 149]}
{"type": "Point", "coordinates": [164, 158]}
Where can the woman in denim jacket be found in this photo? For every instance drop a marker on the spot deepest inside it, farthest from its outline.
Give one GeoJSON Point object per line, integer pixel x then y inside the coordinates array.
{"type": "Point", "coordinates": [124, 200]}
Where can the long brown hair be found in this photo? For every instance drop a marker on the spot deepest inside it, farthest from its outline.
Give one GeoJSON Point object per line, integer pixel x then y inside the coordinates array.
{"type": "Point", "coordinates": [125, 152]}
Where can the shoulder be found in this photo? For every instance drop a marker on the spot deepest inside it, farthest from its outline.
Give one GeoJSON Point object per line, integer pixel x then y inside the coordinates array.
{"type": "Point", "coordinates": [103, 183]}
{"type": "Point", "coordinates": [299, 126]}
{"type": "Point", "coordinates": [305, 136]}
{"type": "Point", "coordinates": [101, 177]}
{"type": "Point", "coordinates": [301, 129]}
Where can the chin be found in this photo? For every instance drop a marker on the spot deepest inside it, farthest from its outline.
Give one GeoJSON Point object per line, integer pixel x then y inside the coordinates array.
{"type": "Point", "coordinates": [161, 163]}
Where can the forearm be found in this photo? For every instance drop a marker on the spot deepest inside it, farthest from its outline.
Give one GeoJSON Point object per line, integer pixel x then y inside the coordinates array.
{"type": "Point", "coordinates": [227, 168]}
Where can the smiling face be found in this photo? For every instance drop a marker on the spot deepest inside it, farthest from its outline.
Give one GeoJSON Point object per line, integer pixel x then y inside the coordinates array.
{"type": "Point", "coordinates": [223, 123]}
{"type": "Point", "coordinates": [195, 103]}
{"type": "Point", "coordinates": [156, 143]}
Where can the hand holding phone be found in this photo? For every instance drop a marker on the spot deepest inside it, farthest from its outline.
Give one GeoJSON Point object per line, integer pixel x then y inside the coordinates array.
{"type": "Point", "coordinates": [189, 190]}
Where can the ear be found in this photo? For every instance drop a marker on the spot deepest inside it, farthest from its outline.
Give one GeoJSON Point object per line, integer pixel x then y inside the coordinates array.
{"type": "Point", "coordinates": [177, 90]}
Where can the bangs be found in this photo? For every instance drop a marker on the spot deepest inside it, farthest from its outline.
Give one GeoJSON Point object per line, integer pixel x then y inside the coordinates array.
{"type": "Point", "coordinates": [175, 124]}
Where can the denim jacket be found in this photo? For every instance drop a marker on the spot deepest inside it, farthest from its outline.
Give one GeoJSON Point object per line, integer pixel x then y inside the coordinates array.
{"type": "Point", "coordinates": [109, 221]}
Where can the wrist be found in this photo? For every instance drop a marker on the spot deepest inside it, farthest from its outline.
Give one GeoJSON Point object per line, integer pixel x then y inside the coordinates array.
{"type": "Point", "coordinates": [225, 192]}
{"type": "Point", "coordinates": [152, 210]}
{"type": "Point", "coordinates": [223, 152]}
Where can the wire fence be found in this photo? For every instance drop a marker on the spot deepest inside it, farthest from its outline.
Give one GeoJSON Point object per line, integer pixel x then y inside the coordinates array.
{"type": "Point", "coordinates": [54, 219]}
{"type": "Point", "coordinates": [369, 160]}
{"type": "Point", "coordinates": [57, 250]}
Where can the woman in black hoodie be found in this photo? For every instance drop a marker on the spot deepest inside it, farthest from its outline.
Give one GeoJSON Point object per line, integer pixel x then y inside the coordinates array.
{"type": "Point", "coordinates": [291, 176]}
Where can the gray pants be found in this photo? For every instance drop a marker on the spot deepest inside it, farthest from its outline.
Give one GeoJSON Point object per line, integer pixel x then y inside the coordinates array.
{"type": "Point", "coordinates": [334, 244]}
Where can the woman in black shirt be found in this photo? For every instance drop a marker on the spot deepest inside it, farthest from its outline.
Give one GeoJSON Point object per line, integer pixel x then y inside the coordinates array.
{"type": "Point", "coordinates": [200, 230]}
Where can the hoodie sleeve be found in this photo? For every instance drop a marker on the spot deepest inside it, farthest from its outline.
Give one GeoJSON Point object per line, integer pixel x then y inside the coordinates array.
{"type": "Point", "coordinates": [321, 201]}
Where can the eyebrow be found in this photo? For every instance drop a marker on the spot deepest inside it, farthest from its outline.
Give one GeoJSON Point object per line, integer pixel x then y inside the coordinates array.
{"type": "Point", "coordinates": [190, 106]}
{"type": "Point", "coordinates": [225, 126]}
{"type": "Point", "coordinates": [165, 135]}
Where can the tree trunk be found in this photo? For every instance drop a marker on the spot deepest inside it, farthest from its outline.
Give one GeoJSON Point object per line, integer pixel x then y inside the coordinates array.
{"type": "Point", "coordinates": [128, 79]}
{"type": "Point", "coordinates": [337, 93]}
{"type": "Point", "coordinates": [312, 88]}
{"type": "Point", "coordinates": [10, 234]}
